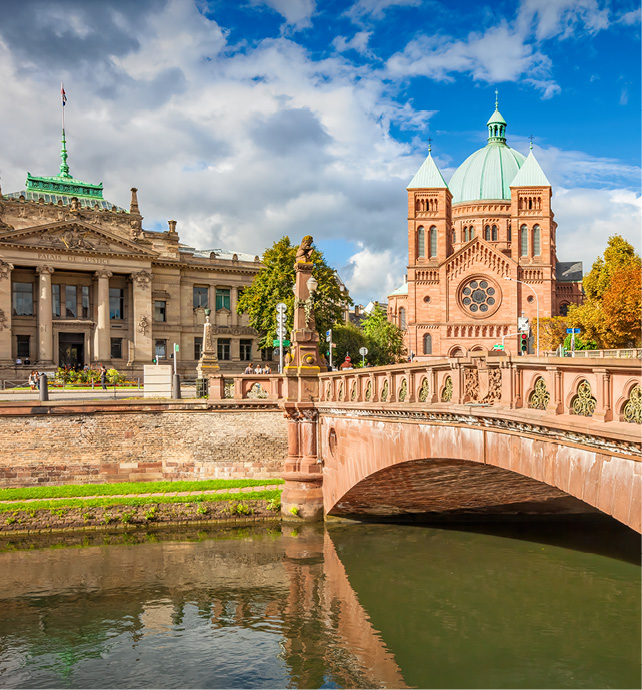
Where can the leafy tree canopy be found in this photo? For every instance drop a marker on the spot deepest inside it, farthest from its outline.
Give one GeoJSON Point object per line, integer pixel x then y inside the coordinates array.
{"type": "Point", "coordinates": [349, 339]}
{"type": "Point", "coordinates": [610, 316]}
{"type": "Point", "coordinates": [385, 340]}
{"type": "Point", "coordinates": [274, 284]}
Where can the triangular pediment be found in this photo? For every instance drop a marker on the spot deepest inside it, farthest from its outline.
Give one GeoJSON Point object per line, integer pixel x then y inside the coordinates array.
{"type": "Point", "coordinates": [74, 236]}
{"type": "Point", "coordinates": [477, 254]}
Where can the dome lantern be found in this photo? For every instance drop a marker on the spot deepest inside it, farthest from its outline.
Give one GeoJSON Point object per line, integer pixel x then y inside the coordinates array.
{"type": "Point", "coordinates": [496, 126]}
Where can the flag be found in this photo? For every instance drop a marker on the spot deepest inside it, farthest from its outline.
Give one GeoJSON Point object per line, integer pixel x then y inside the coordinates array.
{"type": "Point", "coordinates": [63, 95]}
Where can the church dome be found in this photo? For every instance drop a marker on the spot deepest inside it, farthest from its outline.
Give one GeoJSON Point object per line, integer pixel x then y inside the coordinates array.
{"type": "Point", "coordinates": [488, 173]}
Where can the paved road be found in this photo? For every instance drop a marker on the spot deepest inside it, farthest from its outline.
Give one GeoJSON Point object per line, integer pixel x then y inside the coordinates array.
{"type": "Point", "coordinates": [96, 394]}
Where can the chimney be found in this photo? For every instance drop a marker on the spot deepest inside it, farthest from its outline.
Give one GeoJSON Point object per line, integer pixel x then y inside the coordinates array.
{"type": "Point", "coordinates": [357, 307]}
{"type": "Point", "coordinates": [172, 226]}
{"type": "Point", "coordinates": [133, 205]}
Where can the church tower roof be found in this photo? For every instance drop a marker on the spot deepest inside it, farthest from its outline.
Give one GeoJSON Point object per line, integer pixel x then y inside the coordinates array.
{"type": "Point", "coordinates": [428, 176]}
{"type": "Point", "coordinates": [530, 174]}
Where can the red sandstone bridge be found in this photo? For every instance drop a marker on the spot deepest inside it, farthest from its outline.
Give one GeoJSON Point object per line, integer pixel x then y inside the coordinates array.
{"type": "Point", "coordinates": [460, 436]}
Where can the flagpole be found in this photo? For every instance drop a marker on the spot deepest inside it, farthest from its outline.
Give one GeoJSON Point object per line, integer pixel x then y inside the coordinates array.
{"type": "Point", "coordinates": [62, 105]}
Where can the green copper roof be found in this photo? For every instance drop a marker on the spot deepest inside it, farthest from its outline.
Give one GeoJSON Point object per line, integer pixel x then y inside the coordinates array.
{"type": "Point", "coordinates": [530, 174]}
{"type": "Point", "coordinates": [489, 172]}
{"type": "Point", "coordinates": [403, 290]}
{"type": "Point", "coordinates": [428, 176]}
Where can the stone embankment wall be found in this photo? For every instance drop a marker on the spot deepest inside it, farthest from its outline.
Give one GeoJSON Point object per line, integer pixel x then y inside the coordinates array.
{"type": "Point", "coordinates": [103, 443]}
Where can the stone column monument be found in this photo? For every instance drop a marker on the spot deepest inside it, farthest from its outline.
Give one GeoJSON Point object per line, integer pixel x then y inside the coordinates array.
{"type": "Point", "coordinates": [302, 496]}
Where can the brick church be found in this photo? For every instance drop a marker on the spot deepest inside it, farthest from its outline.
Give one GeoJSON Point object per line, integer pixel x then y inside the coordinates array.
{"type": "Point", "coordinates": [481, 252]}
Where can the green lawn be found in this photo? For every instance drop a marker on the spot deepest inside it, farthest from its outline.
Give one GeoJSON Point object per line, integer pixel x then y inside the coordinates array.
{"type": "Point", "coordinates": [74, 490]}
{"type": "Point", "coordinates": [135, 501]}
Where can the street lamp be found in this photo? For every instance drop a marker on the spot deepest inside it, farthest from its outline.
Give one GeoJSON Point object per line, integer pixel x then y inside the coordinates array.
{"type": "Point", "coordinates": [536, 303]}
{"type": "Point", "coordinates": [312, 285]}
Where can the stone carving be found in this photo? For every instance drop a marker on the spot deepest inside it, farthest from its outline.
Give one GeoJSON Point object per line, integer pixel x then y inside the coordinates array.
{"type": "Point", "coordinates": [5, 226]}
{"type": "Point", "coordinates": [307, 305]}
{"type": "Point", "coordinates": [633, 407]}
{"type": "Point", "coordinates": [228, 389]}
{"type": "Point", "coordinates": [103, 273]}
{"type": "Point", "coordinates": [45, 270]}
{"type": "Point", "coordinates": [142, 278]}
{"type": "Point", "coordinates": [403, 391]}
{"type": "Point", "coordinates": [368, 395]}
{"type": "Point", "coordinates": [447, 391]}
{"type": "Point", "coordinates": [424, 391]}
{"type": "Point", "coordinates": [5, 269]}
{"type": "Point", "coordinates": [340, 396]}
{"type": "Point", "coordinates": [257, 392]}
{"type": "Point", "coordinates": [494, 386]}
{"type": "Point", "coordinates": [143, 325]}
{"type": "Point", "coordinates": [583, 403]}
{"type": "Point", "coordinates": [328, 391]}
{"type": "Point", "coordinates": [3, 320]}
{"type": "Point", "coordinates": [471, 384]}
{"type": "Point", "coordinates": [384, 391]}
{"type": "Point", "coordinates": [353, 393]}
{"type": "Point", "coordinates": [304, 252]}
{"type": "Point", "coordinates": [540, 396]}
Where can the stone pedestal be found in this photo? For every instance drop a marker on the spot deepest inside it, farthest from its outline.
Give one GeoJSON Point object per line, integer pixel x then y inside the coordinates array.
{"type": "Point", "coordinates": [208, 363]}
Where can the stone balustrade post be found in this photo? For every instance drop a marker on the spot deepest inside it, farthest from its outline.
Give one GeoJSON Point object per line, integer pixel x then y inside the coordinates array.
{"type": "Point", "coordinates": [216, 387]}
{"type": "Point", "coordinates": [604, 406]}
{"type": "Point", "coordinates": [553, 380]}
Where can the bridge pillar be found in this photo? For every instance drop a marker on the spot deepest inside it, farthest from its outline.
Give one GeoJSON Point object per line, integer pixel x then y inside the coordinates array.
{"type": "Point", "coordinates": [302, 497]}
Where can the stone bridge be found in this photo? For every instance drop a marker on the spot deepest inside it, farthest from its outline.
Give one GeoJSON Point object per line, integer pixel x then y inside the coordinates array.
{"type": "Point", "coordinates": [463, 436]}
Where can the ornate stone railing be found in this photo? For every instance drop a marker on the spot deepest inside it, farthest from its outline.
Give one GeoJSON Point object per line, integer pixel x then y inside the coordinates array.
{"type": "Point", "coordinates": [603, 389]}
{"type": "Point", "coordinates": [246, 387]}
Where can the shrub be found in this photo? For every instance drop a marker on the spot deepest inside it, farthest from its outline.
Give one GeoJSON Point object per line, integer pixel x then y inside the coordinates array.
{"type": "Point", "coordinates": [274, 504]}
{"type": "Point", "coordinates": [114, 377]}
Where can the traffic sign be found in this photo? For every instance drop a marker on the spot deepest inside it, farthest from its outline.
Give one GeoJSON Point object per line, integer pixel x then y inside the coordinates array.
{"type": "Point", "coordinates": [328, 336]}
{"type": "Point", "coordinates": [276, 343]}
{"type": "Point", "coordinates": [498, 347]}
{"type": "Point", "coordinates": [573, 330]}
{"type": "Point", "coordinates": [363, 351]}
{"type": "Point", "coordinates": [175, 347]}
{"type": "Point", "coordinates": [281, 332]}
{"type": "Point", "coordinates": [281, 307]}
{"type": "Point", "coordinates": [522, 324]}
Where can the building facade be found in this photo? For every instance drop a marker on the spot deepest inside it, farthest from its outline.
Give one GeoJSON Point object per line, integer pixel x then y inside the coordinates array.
{"type": "Point", "coordinates": [481, 253]}
{"type": "Point", "coordinates": [82, 282]}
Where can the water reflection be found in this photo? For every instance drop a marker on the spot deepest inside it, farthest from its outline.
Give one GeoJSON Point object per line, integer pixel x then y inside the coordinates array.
{"type": "Point", "coordinates": [353, 606]}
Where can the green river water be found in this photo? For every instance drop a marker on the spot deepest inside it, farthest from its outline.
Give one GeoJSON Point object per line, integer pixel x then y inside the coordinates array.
{"type": "Point", "coordinates": [349, 606]}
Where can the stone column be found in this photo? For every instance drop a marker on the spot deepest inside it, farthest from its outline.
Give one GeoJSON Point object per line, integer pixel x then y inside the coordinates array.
{"type": "Point", "coordinates": [603, 408]}
{"type": "Point", "coordinates": [142, 307]}
{"type": "Point", "coordinates": [45, 316]}
{"type": "Point", "coordinates": [234, 295]}
{"type": "Point", "coordinates": [5, 312]}
{"type": "Point", "coordinates": [101, 341]}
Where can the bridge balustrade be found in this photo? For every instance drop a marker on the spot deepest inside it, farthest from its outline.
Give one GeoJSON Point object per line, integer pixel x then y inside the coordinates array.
{"type": "Point", "coordinates": [601, 388]}
{"type": "Point", "coordinates": [246, 387]}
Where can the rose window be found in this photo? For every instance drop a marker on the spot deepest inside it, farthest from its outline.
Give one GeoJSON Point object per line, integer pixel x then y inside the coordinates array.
{"type": "Point", "coordinates": [479, 296]}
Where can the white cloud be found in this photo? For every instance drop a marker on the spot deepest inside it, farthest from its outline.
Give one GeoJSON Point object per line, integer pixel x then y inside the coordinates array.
{"type": "Point", "coordinates": [586, 218]}
{"type": "Point", "coordinates": [373, 275]}
{"type": "Point", "coordinates": [562, 18]}
{"type": "Point", "coordinates": [297, 13]}
{"type": "Point", "coordinates": [359, 43]}
{"type": "Point", "coordinates": [630, 18]}
{"type": "Point", "coordinates": [376, 9]}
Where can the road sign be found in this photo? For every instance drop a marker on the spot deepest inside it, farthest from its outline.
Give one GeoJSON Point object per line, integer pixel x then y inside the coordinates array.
{"type": "Point", "coordinates": [175, 347]}
{"type": "Point", "coordinates": [328, 336]}
{"type": "Point", "coordinates": [363, 351]}
{"type": "Point", "coordinates": [498, 347]}
{"type": "Point", "coordinates": [276, 343]}
{"type": "Point", "coordinates": [522, 324]}
{"type": "Point", "coordinates": [281, 332]}
{"type": "Point", "coordinates": [281, 307]}
{"type": "Point", "coordinates": [573, 330]}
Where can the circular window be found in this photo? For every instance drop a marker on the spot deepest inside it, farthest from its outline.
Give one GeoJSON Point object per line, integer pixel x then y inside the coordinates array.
{"type": "Point", "coordinates": [530, 299]}
{"type": "Point", "coordinates": [479, 297]}
{"type": "Point", "coordinates": [426, 299]}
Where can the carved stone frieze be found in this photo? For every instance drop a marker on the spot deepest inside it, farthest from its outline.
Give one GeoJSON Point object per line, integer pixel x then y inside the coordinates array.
{"type": "Point", "coordinates": [103, 273]}
{"type": "Point", "coordinates": [5, 269]}
{"type": "Point", "coordinates": [142, 279]}
{"type": "Point", "coordinates": [3, 320]}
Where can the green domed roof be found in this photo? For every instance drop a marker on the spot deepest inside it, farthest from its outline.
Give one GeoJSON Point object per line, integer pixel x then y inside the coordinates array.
{"type": "Point", "coordinates": [488, 173]}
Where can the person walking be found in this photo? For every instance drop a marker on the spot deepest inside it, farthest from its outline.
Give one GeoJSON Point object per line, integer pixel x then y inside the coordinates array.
{"type": "Point", "coordinates": [103, 377]}
{"type": "Point", "coordinates": [32, 380]}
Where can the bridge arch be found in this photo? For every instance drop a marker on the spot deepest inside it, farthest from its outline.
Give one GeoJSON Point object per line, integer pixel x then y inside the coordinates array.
{"type": "Point", "coordinates": [365, 445]}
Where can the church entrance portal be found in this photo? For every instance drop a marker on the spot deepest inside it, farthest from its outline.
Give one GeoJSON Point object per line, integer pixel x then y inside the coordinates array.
{"type": "Point", "coordinates": [71, 350]}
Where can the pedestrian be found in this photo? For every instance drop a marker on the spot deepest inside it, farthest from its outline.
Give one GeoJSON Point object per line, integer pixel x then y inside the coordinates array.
{"type": "Point", "coordinates": [32, 380]}
{"type": "Point", "coordinates": [249, 369]}
{"type": "Point", "coordinates": [18, 360]}
{"type": "Point", "coordinates": [103, 377]}
{"type": "Point", "coordinates": [267, 369]}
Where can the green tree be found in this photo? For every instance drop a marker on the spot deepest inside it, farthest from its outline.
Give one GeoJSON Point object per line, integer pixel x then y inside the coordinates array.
{"type": "Point", "coordinates": [348, 339]}
{"type": "Point", "coordinates": [610, 315]}
{"type": "Point", "coordinates": [384, 339]}
{"type": "Point", "coordinates": [274, 283]}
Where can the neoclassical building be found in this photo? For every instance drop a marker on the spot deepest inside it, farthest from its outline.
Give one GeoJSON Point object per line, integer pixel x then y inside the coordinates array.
{"type": "Point", "coordinates": [82, 282]}
{"type": "Point", "coordinates": [491, 223]}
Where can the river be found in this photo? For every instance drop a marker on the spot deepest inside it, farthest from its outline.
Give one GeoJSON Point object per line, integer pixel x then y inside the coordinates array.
{"type": "Point", "coordinates": [347, 606]}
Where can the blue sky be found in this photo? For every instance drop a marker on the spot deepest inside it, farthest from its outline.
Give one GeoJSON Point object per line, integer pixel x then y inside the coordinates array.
{"type": "Point", "coordinates": [248, 120]}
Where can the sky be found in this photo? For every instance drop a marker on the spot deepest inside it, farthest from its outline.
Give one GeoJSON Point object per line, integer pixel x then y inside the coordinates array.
{"type": "Point", "coordinates": [248, 120]}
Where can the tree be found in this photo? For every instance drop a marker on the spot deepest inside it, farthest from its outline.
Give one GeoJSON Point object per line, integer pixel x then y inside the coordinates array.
{"type": "Point", "coordinates": [610, 315]}
{"type": "Point", "coordinates": [348, 339]}
{"type": "Point", "coordinates": [274, 283]}
{"type": "Point", "coordinates": [384, 339]}
{"type": "Point", "coordinates": [552, 332]}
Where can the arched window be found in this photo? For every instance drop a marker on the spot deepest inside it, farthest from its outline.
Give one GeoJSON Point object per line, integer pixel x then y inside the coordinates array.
{"type": "Point", "coordinates": [537, 242]}
{"type": "Point", "coordinates": [530, 204]}
{"type": "Point", "coordinates": [454, 237]}
{"type": "Point", "coordinates": [494, 233]}
{"type": "Point", "coordinates": [417, 205]}
{"type": "Point", "coordinates": [523, 241]}
{"type": "Point", "coordinates": [487, 233]}
{"type": "Point", "coordinates": [433, 241]}
{"type": "Point", "coordinates": [465, 234]}
{"type": "Point", "coordinates": [510, 234]}
{"type": "Point", "coordinates": [564, 309]}
{"type": "Point", "coordinates": [427, 344]}
{"type": "Point", "coordinates": [472, 231]}
{"type": "Point", "coordinates": [402, 318]}
{"type": "Point", "coordinates": [421, 241]}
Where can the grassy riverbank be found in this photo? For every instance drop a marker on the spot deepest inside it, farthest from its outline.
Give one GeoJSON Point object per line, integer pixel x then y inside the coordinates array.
{"type": "Point", "coordinates": [125, 488]}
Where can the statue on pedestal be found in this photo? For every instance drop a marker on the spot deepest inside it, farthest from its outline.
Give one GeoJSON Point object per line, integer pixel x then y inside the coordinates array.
{"type": "Point", "coordinates": [208, 362]}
